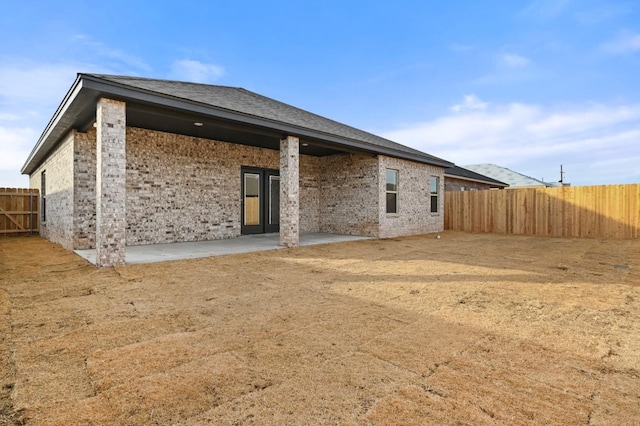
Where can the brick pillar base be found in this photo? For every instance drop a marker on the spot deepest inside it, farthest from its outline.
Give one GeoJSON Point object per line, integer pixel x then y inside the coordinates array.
{"type": "Point", "coordinates": [289, 192]}
{"type": "Point", "coordinates": [110, 183]}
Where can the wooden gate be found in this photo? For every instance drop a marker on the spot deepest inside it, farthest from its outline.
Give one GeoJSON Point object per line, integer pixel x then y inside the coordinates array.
{"type": "Point", "coordinates": [19, 211]}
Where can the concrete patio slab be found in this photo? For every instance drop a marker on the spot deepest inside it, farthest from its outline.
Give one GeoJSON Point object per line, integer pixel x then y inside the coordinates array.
{"type": "Point", "coordinates": [192, 250]}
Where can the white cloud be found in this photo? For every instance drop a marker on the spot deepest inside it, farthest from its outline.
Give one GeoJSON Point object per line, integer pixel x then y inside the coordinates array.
{"type": "Point", "coordinates": [8, 116]}
{"type": "Point", "coordinates": [545, 9]}
{"type": "Point", "coordinates": [35, 83]}
{"type": "Point", "coordinates": [596, 13]}
{"type": "Point", "coordinates": [110, 56]}
{"type": "Point", "coordinates": [514, 61]}
{"type": "Point", "coordinates": [471, 102]}
{"type": "Point", "coordinates": [195, 71]}
{"type": "Point", "coordinates": [31, 90]}
{"type": "Point", "coordinates": [595, 142]}
{"type": "Point", "coordinates": [15, 145]}
{"type": "Point", "coordinates": [510, 68]}
{"type": "Point", "coordinates": [461, 47]}
{"type": "Point", "coordinates": [626, 42]}
{"type": "Point", "coordinates": [29, 94]}
{"type": "Point", "coordinates": [11, 179]}
{"type": "Point", "coordinates": [586, 119]}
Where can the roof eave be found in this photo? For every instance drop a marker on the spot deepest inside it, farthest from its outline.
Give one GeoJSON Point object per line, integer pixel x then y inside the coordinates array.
{"type": "Point", "coordinates": [126, 93]}
{"type": "Point", "coordinates": [493, 183]}
{"type": "Point", "coordinates": [285, 128]}
{"type": "Point", "coordinates": [149, 96]}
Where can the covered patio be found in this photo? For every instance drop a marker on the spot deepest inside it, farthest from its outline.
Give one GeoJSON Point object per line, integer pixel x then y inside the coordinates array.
{"type": "Point", "coordinates": [131, 161]}
{"type": "Point", "coordinates": [151, 253]}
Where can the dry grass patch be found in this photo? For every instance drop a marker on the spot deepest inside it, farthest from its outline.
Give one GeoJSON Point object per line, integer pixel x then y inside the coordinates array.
{"type": "Point", "coordinates": [466, 329]}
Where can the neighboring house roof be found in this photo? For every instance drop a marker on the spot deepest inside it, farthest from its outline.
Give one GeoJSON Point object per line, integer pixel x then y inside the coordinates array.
{"type": "Point", "coordinates": [228, 113]}
{"type": "Point", "coordinates": [514, 179]}
{"type": "Point", "coordinates": [465, 174]}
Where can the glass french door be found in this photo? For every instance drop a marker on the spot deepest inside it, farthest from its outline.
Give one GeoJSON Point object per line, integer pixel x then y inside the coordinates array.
{"type": "Point", "coordinates": [260, 201]}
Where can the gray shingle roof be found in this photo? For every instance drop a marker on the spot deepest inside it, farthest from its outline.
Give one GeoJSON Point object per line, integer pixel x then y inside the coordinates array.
{"type": "Point", "coordinates": [514, 179]}
{"type": "Point", "coordinates": [471, 175]}
{"type": "Point", "coordinates": [243, 101]}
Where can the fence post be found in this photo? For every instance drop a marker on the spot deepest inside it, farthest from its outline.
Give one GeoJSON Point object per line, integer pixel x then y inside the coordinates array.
{"type": "Point", "coordinates": [30, 213]}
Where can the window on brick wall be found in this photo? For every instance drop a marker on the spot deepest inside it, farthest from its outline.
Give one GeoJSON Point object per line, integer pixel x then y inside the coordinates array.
{"type": "Point", "coordinates": [43, 195]}
{"type": "Point", "coordinates": [435, 187]}
{"type": "Point", "coordinates": [392, 191]}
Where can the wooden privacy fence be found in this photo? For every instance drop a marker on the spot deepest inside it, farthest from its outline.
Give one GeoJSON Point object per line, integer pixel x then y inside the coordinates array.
{"type": "Point", "coordinates": [608, 211]}
{"type": "Point", "coordinates": [18, 211]}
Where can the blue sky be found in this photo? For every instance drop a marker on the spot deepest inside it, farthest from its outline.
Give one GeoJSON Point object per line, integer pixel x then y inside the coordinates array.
{"type": "Point", "coordinates": [527, 85]}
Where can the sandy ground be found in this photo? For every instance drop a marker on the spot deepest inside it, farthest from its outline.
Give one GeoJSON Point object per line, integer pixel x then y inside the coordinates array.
{"type": "Point", "coordinates": [466, 329]}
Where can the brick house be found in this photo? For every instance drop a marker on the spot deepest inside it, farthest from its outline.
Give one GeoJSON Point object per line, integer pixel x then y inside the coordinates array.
{"type": "Point", "coordinates": [132, 161]}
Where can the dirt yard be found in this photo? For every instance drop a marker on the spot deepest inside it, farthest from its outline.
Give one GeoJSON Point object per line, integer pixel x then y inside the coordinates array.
{"type": "Point", "coordinates": [465, 329]}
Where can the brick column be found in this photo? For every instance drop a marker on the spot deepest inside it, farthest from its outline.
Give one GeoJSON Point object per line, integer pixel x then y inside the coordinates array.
{"type": "Point", "coordinates": [110, 183]}
{"type": "Point", "coordinates": [289, 192]}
